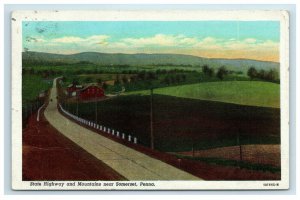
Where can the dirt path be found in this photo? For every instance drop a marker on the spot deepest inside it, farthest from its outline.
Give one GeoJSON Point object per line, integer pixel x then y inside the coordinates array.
{"type": "Point", "coordinates": [48, 155]}
{"type": "Point", "coordinates": [130, 163]}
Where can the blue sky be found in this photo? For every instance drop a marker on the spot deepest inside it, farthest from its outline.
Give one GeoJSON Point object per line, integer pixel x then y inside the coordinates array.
{"type": "Point", "coordinates": [228, 39]}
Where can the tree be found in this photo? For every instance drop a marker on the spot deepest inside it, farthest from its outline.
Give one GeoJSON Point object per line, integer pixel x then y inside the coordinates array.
{"type": "Point", "coordinates": [142, 75]}
{"type": "Point", "coordinates": [117, 81]}
{"type": "Point", "coordinates": [163, 71]}
{"type": "Point", "coordinates": [167, 80]}
{"type": "Point", "coordinates": [95, 71]}
{"type": "Point", "coordinates": [178, 78]}
{"type": "Point", "coordinates": [252, 73]}
{"type": "Point", "coordinates": [262, 74]}
{"type": "Point", "coordinates": [150, 76]}
{"type": "Point", "coordinates": [271, 75]}
{"type": "Point", "coordinates": [183, 77]}
{"type": "Point", "coordinates": [158, 71]}
{"type": "Point", "coordinates": [207, 70]}
{"type": "Point", "coordinates": [104, 85]}
{"type": "Point", "coordinates": [99, 81]}
{"type": "Point", "coordinates": [173, 79]}
{"type": "Point", "coordinates": [88, 79]}
{"type": "Point", "coordinates": [222, 72]}
{"type": "Point", "coordinates": [132, 79]}
{"type": "Point", "coordinates": [124, 79]}
{"type": "Point", "coordinates": [63, 79]}
{"type": "Point", "coordinates": [46, 74]}
{"type": "Point", "coordinates": [75, 81]}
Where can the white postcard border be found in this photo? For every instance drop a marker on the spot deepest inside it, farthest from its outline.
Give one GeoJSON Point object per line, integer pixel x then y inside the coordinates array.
{"type": "Point", "coordinates": [174, 15]}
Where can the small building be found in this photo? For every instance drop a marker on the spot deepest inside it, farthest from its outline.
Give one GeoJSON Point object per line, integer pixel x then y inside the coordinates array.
{"type": "Point", "coordinates": [73, 89]}
{"type": "Point", "coordinates": [91, 92]}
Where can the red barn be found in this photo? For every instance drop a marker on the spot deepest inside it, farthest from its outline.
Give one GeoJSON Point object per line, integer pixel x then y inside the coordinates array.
{"type": "Point", "coordinates": [73, 89]}
{"type": "Point", "coordinates": [91, 92]}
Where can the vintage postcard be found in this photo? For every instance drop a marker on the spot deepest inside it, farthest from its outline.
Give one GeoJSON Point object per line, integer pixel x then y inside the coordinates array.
{"type": "Point", "coordinates": [150, 100]}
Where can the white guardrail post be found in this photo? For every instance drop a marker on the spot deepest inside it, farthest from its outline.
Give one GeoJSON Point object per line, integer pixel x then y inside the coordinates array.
{"type": "Point", "coordinates": [99, 127]}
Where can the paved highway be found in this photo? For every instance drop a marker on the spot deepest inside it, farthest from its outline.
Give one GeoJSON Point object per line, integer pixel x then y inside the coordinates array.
{"type": "Point", "coordinates": [128, 162]}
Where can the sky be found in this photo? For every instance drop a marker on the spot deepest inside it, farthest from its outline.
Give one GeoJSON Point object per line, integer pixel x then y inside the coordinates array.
{"type": "Point", "coordinates": [258, 40]}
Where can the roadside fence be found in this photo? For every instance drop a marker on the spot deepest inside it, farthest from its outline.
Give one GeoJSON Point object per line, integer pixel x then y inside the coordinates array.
{"type": "Point", "coordinates": [103, 128]}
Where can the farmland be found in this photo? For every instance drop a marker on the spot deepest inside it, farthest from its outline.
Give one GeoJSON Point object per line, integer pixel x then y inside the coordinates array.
{"type": "Point", "coordinates": [143, 71]}
{"type": "Point", "coordinates": [253, 93]}
{"type": "Point", "coordinates": [181, 124]}
{"type": "Point", "coordinates": [193, 111]}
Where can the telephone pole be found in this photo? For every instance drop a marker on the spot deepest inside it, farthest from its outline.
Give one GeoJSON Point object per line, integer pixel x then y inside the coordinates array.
{"type": "Point", "coordinates": [151, 118]}
{"type": "Point", "coordinates": [77, 104]}
{"type": "Point", "coordinates": [96, 113]}
{"type": "Point", "coordinates": [239, 144]}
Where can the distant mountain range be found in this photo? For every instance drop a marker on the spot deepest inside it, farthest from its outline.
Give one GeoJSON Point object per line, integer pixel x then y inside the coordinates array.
{"type": "Point", "coordinates": [146, 59]}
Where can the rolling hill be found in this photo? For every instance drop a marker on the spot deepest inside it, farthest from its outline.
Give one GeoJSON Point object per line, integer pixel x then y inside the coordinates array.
{"type": "Point", "coordinates": [251, 93]}
{"type": "Point", "coordinates": [146, 59]}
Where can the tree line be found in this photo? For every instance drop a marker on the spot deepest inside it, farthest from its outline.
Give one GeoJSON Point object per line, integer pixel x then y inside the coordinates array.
{"type": "Point", "coordinates": [221, 72]}
{"type": "Point", "coordinates": [252, 73]}
{"type": "Point", "coordinates": [270, 75]}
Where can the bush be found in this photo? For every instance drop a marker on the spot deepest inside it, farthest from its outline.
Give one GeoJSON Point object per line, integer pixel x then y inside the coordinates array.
{"type": "Point", "coordinates": [252, 73]}
{"type": "Point", "coordinates": [207, 71]}
{"type": "Point", "coordinates": [270, 75]}
{"type": "Point", "coordinates": [222, 72]}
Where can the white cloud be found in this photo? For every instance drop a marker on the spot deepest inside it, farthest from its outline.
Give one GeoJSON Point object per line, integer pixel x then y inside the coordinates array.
{"type": "Point", "coordinates": [251, 44]}
{"type": "Point", "coordinates": [160, 40]}
{"type": "Point", "coordinates": [209, 43]}
{"type": "Point", "coordinates": [209, 40]}
{"type": "Point", "coordinates": [67, 40]}
{"type": "Point", "coordinates": [269, 44]}
{"type": "Point", "coordinates": [98, 39]}
{"type": "Point", "coordinates": [250, 40]}
{"type": "Point", "coordinates": [188, 41]}
{"type": "Point", "coordinates": [157, 42]}
{"type": "Point", "coordinates": [94, 39]}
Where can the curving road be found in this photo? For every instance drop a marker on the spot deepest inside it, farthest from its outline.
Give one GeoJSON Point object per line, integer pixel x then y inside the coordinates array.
{"type": "Point", "coordinates": [130, 163]}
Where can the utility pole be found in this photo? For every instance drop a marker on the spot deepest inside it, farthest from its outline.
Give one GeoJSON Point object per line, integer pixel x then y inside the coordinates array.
{"type": "Point", "coordinates": [239, 144]}
{"type": "Point", "coordinates": [151, 118]}
{"type": "Point", "coordinates": [96, 116]}
{"type": "Point", "coordinates": [77, 104]}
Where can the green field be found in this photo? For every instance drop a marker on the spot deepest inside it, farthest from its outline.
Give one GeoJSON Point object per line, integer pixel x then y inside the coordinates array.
{"type": "Point", "coordinates": [182, 123]}
{"type": "Point", "coordinates": [253, 93]}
